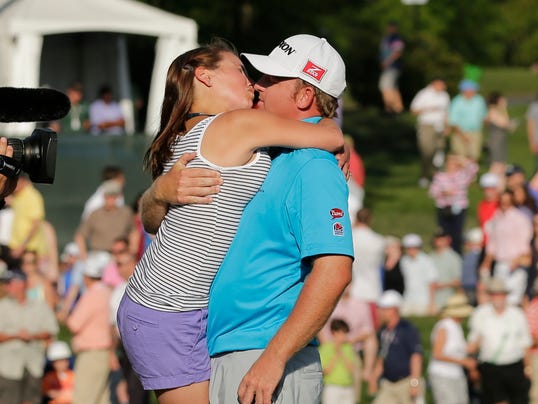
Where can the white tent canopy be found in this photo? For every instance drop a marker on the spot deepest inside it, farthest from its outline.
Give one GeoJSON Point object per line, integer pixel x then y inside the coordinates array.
{"type": "Point", "coordinates": [24, 23]}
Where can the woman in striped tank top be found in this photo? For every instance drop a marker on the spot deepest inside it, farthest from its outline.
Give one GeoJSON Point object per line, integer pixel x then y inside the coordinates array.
{"type": "Point", "coordinates": [207, 109]}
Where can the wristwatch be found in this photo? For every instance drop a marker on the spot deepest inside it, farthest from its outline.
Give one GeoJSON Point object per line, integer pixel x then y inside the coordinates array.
{"type": "Point", "coordinates": [414, 382]}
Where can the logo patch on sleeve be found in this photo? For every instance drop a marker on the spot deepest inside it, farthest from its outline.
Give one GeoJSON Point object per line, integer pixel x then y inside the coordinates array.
{"type": "Point", "coordinates": [338, 229]}
{"type": "Point", "coordinates": [314, 71]}
{"type": "Point", "coordinates": [337, 213]}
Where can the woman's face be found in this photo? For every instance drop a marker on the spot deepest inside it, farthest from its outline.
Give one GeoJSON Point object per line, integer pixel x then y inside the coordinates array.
{"type": "Point", "coordinates": [519, 195]}
{"type": "Point", "coordinates": [231, 84]}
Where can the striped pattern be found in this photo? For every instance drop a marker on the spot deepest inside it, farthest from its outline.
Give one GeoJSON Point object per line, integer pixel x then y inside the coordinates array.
{"type": "Point", "coordinates": [177, 269]}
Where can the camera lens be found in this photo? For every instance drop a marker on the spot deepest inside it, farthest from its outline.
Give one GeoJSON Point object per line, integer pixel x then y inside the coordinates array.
{"type": "Point", "coordinates": [36, 154]}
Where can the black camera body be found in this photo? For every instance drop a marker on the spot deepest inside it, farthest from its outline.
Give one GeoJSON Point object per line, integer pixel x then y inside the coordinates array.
{"type": "Point", "coordinates": [35, 155]}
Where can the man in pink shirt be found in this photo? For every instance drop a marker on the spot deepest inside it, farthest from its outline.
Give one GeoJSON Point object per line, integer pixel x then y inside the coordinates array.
{"type": "Point", "coordinates": [89, 322]}
{"type": "Point", "coordinates": [510, 234]}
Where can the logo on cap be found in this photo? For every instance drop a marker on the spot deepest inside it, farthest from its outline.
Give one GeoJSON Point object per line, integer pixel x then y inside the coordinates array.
{"type": "Point", "coordinates": [286, 48]}
{"type": "Point", "coordinates": [314, 71]}
{"type": "Point", "coordinates": [337, 213]}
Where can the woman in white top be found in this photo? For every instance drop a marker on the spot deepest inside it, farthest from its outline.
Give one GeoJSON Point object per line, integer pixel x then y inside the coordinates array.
{"type": "Point", "coordinates": [449, 356]}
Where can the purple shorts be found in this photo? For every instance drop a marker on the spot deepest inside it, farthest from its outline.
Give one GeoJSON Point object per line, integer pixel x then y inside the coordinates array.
{"type": "Point", "coordinates": [166, 350]}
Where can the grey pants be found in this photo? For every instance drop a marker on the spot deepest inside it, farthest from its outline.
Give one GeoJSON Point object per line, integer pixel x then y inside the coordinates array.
{"type": "Point", "coordinates": [301, 384]}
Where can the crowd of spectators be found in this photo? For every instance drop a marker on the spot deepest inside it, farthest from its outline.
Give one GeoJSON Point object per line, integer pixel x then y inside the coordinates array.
{"type": "Point", "coordinates": [78, 289]}
{"type": "Point", "coordinates": [480, 282]}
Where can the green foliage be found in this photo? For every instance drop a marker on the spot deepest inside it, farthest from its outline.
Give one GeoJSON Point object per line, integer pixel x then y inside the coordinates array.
{"type": "Point", "coordinates": [440, 35]}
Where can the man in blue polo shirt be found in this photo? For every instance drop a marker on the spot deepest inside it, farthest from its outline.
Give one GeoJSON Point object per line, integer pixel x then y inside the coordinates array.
{"type": "Point", "coordinates": [399, 363]}
{"type": "Point", "coordinates": [466, 117]}
{"type": "Point", "coordinates": [291, 257]}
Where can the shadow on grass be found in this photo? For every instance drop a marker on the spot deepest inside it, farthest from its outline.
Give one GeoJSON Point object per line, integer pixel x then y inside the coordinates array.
{"type": "Point", "coordinates": [382, 140]}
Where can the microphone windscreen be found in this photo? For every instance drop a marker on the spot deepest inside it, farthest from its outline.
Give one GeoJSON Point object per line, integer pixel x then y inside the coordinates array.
{"type": "Point", "coordinates": [32, 104]}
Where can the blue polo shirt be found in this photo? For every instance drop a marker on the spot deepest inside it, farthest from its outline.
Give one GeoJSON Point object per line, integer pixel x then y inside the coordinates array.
{"type": "Point", "coordinates": [468, 114]}
{"type": "Point", "coordinates": [300, 212]}
{"type": "Point", "coordinates": [396, 347]}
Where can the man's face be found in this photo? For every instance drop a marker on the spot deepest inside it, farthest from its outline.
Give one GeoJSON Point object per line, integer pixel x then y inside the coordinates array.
{"type": "Point", "coordinates": [277, 95]}
{"type": "Point", "coordinates": [498, 300]}
{"type": "Point", "coordinates": [441, 242]}
{"type": "Point", "coordinates": [439, 85]}
{"type": "Point", "coordinates": [412, 251]}
{"type": "Point", "coordinates": [468, 93]}
{"type": "Point", "coordinates": [515, 180]}
{"type": "Point", "coordinates": [16, 288]}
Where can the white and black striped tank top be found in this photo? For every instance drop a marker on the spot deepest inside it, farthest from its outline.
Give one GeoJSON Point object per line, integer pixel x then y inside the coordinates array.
{"type": "Point", "coordinates": [176, 270]}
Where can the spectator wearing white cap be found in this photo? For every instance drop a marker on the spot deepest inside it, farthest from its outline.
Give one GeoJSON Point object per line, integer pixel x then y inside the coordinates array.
{"type": "Point", "coordinates": [59, 382]}
{"type": "Point", "coordinates": [89, 322]}
{"type": "Point", "coordinates": [399, 363]}
{"type": "Point", "coordinates": [420, 275]}
{"type": "Point", "coordinates": [499, 333]}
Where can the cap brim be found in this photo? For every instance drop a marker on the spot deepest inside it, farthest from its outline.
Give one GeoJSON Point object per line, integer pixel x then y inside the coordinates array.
{"type": "Point", "coordinates": [264, 64]}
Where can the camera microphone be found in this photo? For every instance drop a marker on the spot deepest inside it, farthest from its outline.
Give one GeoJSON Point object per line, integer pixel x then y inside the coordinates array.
{"type": "Point", "coordinates": [32, 104]}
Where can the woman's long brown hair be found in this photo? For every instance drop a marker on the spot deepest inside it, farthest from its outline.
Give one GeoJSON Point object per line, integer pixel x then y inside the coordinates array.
{"type": "Point", "coordinates": [178, 98]}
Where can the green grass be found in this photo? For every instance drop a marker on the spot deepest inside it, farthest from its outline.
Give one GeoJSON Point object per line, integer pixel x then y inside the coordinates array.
{"type": "Point", "coordinates": [514, 82]}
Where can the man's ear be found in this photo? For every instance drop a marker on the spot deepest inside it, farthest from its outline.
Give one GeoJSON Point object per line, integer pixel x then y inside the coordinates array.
{"type": "Point", "coordinates": [305, 97]}
{"type": "Point", "coordinates": [203, 75]}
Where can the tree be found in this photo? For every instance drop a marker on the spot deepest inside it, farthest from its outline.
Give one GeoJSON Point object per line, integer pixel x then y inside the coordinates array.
{"type": "Point", "coordinates": [440, 36]}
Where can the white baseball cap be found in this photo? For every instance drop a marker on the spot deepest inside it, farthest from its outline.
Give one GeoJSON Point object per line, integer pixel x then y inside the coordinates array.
{"type": "Point", "coordinates": [475, 235]}
{"type": "Point", "coordinates": [58, 350]}
{"type": "Point", "coordinates": [489, 180]}
{"type": "Point", "coordinates": [390, 298]}
{"type": "Point", "coordinates": [95, 263]}
{"type": "Point", "coordinates": [70, 250]}
{"type": "Point", "coordinates": [306, 57]}
{"type": "Point", "coordinates": [411, 240]}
